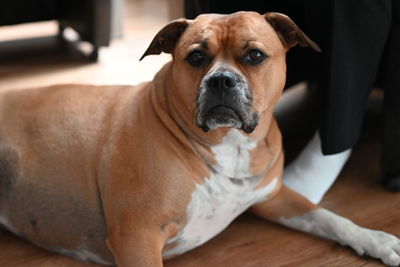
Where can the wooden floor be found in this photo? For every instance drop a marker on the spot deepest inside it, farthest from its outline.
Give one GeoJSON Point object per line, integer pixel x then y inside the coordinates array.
{"type": "Point", "coordinates": [249, 241]}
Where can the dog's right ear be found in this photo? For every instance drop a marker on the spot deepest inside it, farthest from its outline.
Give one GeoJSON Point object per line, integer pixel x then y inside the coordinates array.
{"type": "Point", "coordinates": [167, 37]}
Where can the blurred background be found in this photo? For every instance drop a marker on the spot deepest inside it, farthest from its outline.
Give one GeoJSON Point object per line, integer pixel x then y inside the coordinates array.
{"type": "Point", "coordinates": [45, 42]}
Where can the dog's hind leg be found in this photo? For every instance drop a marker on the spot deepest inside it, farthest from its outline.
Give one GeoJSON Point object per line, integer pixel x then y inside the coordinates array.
{"type": "Point", "coordinates": [295, 211]}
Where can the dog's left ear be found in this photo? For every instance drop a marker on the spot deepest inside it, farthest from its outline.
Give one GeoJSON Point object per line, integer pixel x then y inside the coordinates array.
{"type": "Point", "coordinates": [288, 32]}
{"type": "Point", "coordinates": [166, 39]}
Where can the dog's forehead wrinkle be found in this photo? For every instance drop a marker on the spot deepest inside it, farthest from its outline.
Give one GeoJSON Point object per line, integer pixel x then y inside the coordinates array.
{"type": "Point", "coordinates": [223, 35]}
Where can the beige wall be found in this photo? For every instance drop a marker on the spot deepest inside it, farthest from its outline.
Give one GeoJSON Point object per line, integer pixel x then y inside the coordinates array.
{"type": "Point", "coordinates": [175, 9]}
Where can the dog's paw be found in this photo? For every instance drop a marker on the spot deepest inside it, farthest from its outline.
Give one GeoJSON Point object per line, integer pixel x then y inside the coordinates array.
{"type": "Point", "coordinates": [377, 244]}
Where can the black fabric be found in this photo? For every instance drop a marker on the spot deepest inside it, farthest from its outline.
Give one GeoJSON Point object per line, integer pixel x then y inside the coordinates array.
{"type": "Point", "coordinates": [391, 131]}
{"type": "Point", "coordinates": [355, 43]}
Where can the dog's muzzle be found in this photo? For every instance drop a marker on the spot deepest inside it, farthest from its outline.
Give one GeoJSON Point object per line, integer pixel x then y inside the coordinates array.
{"type": "Point", "coordinates": [224, 100]}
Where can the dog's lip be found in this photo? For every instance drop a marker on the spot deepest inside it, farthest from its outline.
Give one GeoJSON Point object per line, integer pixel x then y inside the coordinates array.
{"type": "Point", "coordinates": [205, 113]}
{"type": "Point", "coordinates": [201, 120]}
{"type": "Point", "coordinates": [223, 106]}
{"type": "Point", "coordinates": [202, 115]}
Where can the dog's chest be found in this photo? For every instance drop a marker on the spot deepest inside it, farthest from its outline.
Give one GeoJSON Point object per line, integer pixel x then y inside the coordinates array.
{"type": "Point", "coordinates": [223, 196]}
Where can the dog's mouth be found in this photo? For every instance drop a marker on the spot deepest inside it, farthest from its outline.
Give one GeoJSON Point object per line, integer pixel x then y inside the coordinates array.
{"type": "Point", "coordinates": [223, 116]}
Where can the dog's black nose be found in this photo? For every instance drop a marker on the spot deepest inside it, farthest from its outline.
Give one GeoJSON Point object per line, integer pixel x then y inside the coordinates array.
{"type": "Point", "coordinates": [221, 81]}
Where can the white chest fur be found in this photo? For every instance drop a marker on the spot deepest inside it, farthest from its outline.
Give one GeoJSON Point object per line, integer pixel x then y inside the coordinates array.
{"type": "Point", "coordinates": [219, 200]}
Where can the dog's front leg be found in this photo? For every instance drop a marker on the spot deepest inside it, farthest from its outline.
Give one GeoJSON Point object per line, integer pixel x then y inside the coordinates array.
{"type": "Point", "coordinates": [135, 247]}
{"type": "Point", "coordinates": [295, 211]}
{"type": "Point", "coordinates": [135, 235]}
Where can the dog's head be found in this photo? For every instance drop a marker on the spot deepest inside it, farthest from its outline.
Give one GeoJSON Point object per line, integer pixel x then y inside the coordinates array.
{"type": "Point", "coordinates": [229, 68]}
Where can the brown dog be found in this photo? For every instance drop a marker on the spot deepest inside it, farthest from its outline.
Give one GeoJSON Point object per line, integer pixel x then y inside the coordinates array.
{"type": "Point", "coordinates": [135, 175]}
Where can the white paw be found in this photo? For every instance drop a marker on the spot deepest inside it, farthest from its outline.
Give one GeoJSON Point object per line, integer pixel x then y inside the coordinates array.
{"type": "Point", "coordinates": [377, 244]}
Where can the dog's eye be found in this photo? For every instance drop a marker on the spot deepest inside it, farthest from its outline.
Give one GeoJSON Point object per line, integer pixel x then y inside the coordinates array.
{"type": "Point", "coordinates": [254, 57]}
{"type": "Point", "coordinates": [196, 58]}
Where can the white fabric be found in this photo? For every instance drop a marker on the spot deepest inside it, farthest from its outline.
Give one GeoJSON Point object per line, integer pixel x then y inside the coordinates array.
{"type": "Point", "coordinates": [312, 173]}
